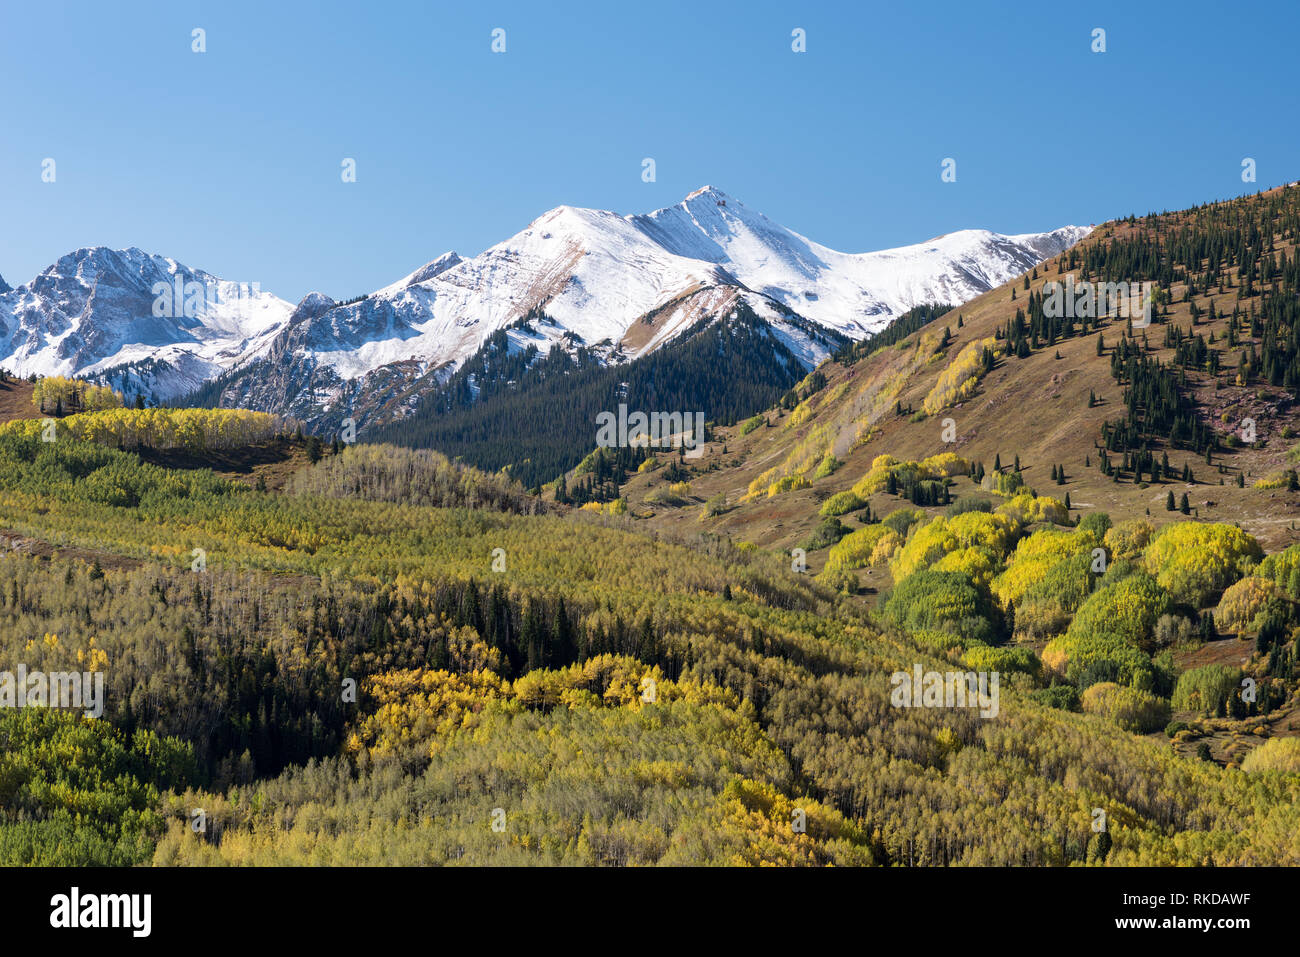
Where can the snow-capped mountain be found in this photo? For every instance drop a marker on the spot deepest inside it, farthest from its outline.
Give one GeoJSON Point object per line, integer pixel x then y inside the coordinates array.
{"type": "Point", "coordinates": [856, 293]}
{"type": "Point", "coordinates": [596, 273]}
{"type": "Point", "coordinates": [619, 286]}
{"type": "Point", "coordinates": [143, 323]}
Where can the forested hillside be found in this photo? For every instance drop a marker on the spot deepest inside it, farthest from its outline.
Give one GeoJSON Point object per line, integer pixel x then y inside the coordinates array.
{"type": "Point", "coordinates": [537, 414]}
{"type": "Point", "coordinates": [545, 689]}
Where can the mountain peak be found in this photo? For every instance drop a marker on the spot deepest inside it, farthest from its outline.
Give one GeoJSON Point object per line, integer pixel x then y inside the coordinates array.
{"type": "Point", "coordinates": [435, 267]}
{"type": "Point", "coordinates": [97, 310]}
{"type": "Point", "coordinates": [315, 300]}
{"type": "Point", "coordinates": [311, 305]}
{"type": "Point", "coordinates": [709, 192]}
{"type": "Point", "coordinates": [4, 286]}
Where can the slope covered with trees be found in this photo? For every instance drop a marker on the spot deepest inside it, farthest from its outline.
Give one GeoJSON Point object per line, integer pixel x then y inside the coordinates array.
{"type": "Point", "coordinates": [585, 695]}
{"type": "Point", "coordinates": [537, 414]}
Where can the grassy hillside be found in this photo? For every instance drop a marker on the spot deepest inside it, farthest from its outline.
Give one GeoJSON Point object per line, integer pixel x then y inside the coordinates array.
{"type": "Point", "coordinates": [1037, 407]}
{"type": "Point", "coordinates": [16, 400]}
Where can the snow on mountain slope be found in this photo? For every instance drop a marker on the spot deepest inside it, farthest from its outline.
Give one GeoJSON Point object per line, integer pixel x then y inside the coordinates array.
{"type": "Point", "coordinates": [425, 272]}
{"type": "Point", "coordinates": [99, 309]}
{"type": "Point", "coordinates": [855, 293]}
{"type": "Point", "coordinates": [596, 273]}
{"type": "Point", "coordinates": [622, 286]}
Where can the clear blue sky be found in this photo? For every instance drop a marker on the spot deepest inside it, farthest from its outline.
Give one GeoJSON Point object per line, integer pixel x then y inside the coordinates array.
{"type": "Point", "coordinates": [230, 160]}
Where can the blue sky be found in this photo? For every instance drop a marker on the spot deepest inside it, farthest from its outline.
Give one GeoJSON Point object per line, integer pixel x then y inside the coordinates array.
{"type": "Point", "coordinates": [229, 160]}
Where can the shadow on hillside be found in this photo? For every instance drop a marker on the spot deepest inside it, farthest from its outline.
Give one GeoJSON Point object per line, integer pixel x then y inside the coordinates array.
{"type": "Point", "coordinates": [240, 461]}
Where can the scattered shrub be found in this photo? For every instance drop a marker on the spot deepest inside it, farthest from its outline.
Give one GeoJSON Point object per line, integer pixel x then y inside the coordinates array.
{"type": "Point", "coordinates": [830, 531]}
{"type": "Point", "coordinates": [902, 519]}
{"type": "Point", "coordinates": [1241, 602]}
{"type": "Point", "coordinates": [841, 503]}
{"type": "Point", "coordinates": [1128, 539]}
{"type": "Point", "coordinates": [1003, 660]}
{"type": "Point", "coordinates": [1207, 690]}
{"type": "Point", "coordinates": [870, 546]}
{"type": "Point", "coordinates": [1195, 561]}
{"type": "Point", "coordinates": [943, 601]}
{"type": "Point", "coordinates": [968, 503]}
{"type": "Point", "coordinates": [1131, 709]}
{"type": "Point", "coordinates": [1275, 754]}
{"type": "Point", "coordinates": [1064, 697]}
